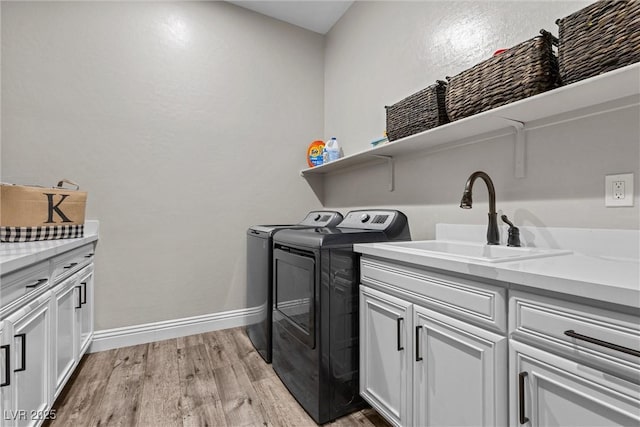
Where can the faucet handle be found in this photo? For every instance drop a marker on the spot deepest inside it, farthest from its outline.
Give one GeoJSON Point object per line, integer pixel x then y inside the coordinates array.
{"type": "Point", "coordinates": [514, 233]}
{"type": "Point", "coordinates": [506, 221]}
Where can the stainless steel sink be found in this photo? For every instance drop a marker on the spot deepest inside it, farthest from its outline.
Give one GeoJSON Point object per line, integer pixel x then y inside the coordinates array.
{"type": "Point", "coordinates": [474, 251]}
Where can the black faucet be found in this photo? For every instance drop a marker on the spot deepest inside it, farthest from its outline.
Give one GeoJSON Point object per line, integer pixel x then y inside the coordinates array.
{"type": "Point", "coordinates": [493, 237]}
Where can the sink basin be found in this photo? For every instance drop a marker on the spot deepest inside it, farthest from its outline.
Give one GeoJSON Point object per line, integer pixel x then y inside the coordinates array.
{"type": "Point", "coordinates": [475, 251]}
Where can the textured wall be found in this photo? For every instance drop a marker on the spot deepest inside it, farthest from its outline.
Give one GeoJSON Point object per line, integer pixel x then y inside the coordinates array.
{"type": "Point", "coordinates": [187, 122]}
{"type": "Point", "coordinates": [381, 52]}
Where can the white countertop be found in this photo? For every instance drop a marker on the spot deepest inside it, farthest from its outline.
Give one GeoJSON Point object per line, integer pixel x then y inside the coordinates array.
{"type": "Point", "coordinates": [14, 256]}
{"type": "Point", "coordinates": [610, 272]}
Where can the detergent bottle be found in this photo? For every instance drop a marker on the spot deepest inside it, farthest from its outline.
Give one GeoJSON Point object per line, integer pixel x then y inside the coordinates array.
{"type": "Point", "coordinates": [315, 153]}
{"type": "Point", "coordinates": [333, 149]}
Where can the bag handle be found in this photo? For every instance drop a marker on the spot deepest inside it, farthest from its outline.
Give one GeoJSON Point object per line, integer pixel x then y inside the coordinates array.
{"type": "Point", "coordinates": [67, 181]}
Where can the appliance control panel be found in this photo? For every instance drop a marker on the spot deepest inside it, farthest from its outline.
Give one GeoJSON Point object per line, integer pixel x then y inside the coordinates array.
{"type": "Point", "coordinates": [369, 219]}
{"type": "Point", "coordinates": [322, 219]}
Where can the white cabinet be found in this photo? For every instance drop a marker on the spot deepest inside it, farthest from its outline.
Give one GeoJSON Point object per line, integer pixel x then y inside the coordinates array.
{"type": "Point", "coordinates": [73, 327]}
{"type": "Point", "coordinates": [67, 301]}
{"type": "Point", "coordinates": [572, 364]}
{"type": "Point", "coordinates": [420, 366]}
{"type": "Point", "coordinates": [84, 309]}
{"type": "Point", "coordinates": [68, 263]}
{"type": "Point", "coordinates": [548, 390]}
{"type": "Point", "coordinates": [6, 391]}
{"type": "Point", "coordinates": [458, 373]}
{"type": "Point", "coordinates": [468, 358]}
{"type": "Point", "coordinates": [29, 397]}
{"type": "Point", "coordinates": [385, 362]}
{"type": "Point", "coordinates": [46, 325]}
{"type": "Point", "coordinates": [19, 287]}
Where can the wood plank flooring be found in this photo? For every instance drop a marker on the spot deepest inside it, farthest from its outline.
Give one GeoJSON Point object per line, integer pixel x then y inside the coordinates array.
{"type": "Point", "coordinates": [211, 379]}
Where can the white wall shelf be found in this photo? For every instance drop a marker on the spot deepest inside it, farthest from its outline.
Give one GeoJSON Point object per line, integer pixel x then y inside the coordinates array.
{"type": "Point", "coordinates": [615, 90]}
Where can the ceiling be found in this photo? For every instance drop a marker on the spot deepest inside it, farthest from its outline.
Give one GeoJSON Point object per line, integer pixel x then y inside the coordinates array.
{"type": "Point", "coordinates": [317, 16]}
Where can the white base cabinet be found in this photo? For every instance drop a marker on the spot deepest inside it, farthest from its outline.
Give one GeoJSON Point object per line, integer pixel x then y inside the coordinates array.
{"type": "Point", "coordinates": [44, 331]}
{"type": "Point", "coordinates": [420, 367]}
{"type": "Point", "coordinates": [6, 391]}
{"type": "Point", "coordinates": [385, 362]}
{"type": "Point", "coordinates": [66, 302]}
{"type": "Point", "coordinates": [27, 396]}
{"type": "Point", "coordinates": [437, 350]}
{"type": "Point", "coordinates": [84, 310]}
{"type": "Point", "coordinates": [571, 364]}
{"type": "Point", "coordinates": [458, 373]}
{"type": "Point", "coordinates": [73, 329]}
{"type": "Point", "coordinates": [549, 391]}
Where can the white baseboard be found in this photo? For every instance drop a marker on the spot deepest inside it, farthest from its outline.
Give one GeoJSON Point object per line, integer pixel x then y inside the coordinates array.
{"type": "Point", "coordinates": [108, 339]}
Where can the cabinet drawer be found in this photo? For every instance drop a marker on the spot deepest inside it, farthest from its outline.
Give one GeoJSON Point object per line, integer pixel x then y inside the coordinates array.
{"type": "Point", "coordinates": [552, 390]}
{"type": "Point", "coordinates": [68, 263]}
{"type": "Point", "coordinates": [471, 300]}
{"type": "Point", "coordinates": [553, 324]}
{"type": "Point", "coordinates": [22, 285]}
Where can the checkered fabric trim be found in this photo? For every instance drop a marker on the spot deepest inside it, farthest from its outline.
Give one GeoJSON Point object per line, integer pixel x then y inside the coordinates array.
{"type": "Point", "coordinates": [31, 234]}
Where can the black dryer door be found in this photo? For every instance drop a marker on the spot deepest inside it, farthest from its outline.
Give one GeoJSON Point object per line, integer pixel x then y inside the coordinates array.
{"type": "Point", "coordinates": [294, 293]}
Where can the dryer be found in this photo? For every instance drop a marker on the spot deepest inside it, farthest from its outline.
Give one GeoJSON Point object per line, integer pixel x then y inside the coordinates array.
{"type": "Point", "coordinates": [316, 276]}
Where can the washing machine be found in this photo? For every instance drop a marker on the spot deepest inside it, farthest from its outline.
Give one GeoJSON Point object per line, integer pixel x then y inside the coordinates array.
{"type": "Point", "coordinates": [316, 276]}
{"type": "Point", "coordinates": [260, 276]}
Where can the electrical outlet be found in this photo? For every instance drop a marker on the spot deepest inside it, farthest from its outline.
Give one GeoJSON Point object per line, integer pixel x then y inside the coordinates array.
{"type": "Point", "coordinates": [618, 190]}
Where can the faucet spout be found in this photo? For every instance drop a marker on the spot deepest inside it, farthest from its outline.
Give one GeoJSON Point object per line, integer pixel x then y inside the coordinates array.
{"type": "Point", "coordinates": [493, 236]}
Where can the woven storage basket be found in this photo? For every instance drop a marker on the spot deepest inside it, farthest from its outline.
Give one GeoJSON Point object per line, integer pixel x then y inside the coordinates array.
{"type": "Point", "coordinates": [526, 69]}
{"type": "Point", "coordinates": [416, 113]}
{"type": "Point", "coordinates": [599, 38]}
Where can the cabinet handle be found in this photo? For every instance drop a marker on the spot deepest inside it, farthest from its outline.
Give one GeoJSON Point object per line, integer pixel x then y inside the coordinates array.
{"type": "Point", "coordinates": [571, 333]}
{"type": "Point", "coordinates": [83, 300]}
{"type": "Point", "coordinates": [521, 377]}
{"type": "Point", "coordinates": [399, 326]}
{"type": "Point", "coordinates": [79, 297]}
{"type": "Point", "coordinates": [7, 365]}
{"type": "Point", "coordinates": [418, 357]}
{"type": "Point", "coordinates": [23, 360]}
{"type": "Point", "coordinates": [73, 264]}
{"type": "Point", "coordinates": [38, 283]}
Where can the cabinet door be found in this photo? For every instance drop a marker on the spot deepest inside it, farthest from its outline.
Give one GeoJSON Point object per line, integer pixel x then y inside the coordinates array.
{"type": "Point", "coordinates": [459, 373]}
{"type": "Point", "coordinates": [6, 371]}
{"type": "Point", "coordinates": [549, 390]}
{"type": "Point", "coordinates": [85, 313]}
{"type": "Point", "coordinates": [66, 300]}
{"type": "Point", "coordinates": [31, 356]}
{"type": "Point", "coordinates": [385, 349]}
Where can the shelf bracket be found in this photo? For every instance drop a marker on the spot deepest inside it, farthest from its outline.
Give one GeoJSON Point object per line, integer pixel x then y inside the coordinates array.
{"type": "Point", "coordinates": [390, 168]}
{"type": "Point", "coordinates": [520, 147]}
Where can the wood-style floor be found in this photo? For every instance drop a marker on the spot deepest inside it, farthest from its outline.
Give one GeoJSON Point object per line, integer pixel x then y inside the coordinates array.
{"type": "Point", "coordinates": [211, 379]}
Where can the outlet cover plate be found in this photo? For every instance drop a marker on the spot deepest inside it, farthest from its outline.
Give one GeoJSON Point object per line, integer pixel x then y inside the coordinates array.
{"type": "Point", "coordinates": [618, 190]}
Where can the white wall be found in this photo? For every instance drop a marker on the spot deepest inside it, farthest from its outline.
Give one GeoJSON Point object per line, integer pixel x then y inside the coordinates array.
{"type": "Point", "coordinates": [187, 122]}
{"type": "Point", "coordinates": [381, 52]}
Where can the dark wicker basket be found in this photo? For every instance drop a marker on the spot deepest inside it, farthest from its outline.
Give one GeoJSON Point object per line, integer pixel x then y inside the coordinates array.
{"type": "Point", "coordinates": [416, 113]}
{"type": "Point", "coordinates": [527, 69]}
{"type": "Point", "coordinates": [599, 38]}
